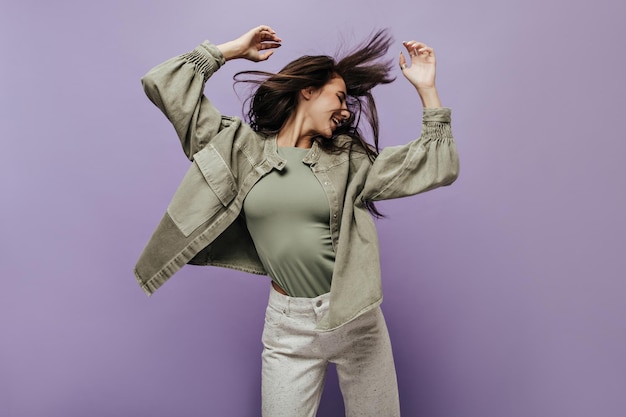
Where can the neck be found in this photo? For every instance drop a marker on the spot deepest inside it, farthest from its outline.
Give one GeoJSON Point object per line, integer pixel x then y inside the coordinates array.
{"type": "Point", "coordinates": [293, 134]}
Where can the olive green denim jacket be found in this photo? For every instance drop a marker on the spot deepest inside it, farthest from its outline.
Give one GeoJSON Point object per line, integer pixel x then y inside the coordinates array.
{"type": "Point", "coordinates": [204, 224]}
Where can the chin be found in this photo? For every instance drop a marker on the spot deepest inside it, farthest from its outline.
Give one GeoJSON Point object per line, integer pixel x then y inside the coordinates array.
{"type": "Point", "coordinates": [326, 135]}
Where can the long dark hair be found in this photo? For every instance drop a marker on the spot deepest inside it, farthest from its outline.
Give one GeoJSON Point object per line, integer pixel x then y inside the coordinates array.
{"type": "Point", "coordinates": [362, 69]}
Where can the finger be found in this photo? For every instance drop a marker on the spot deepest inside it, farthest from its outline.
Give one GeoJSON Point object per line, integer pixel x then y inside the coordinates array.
{"type": "Point", "coordinates": [264, 56]}
{"type": "Point", "coordinates": [262, 28]}
{"type": "Point", "coordinates": [267, 33]}
{"type": "Point", "coordinates": [410, 48]}
{"type": "Point", "coordinates": [268, 45]}
{"type": "Point", "coordinates": [269, 36]}
{"type": "Point", "coordinates": [413, 47]}
{"type": "Point", "coordinates": [402, 62]}
{"type": "Point", "coordinates": [426, 51]}
{"type": "Point", "coordinates": [416, 44]}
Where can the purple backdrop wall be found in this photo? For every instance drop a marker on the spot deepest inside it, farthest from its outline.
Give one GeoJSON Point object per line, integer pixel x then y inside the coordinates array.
{"type": "Point", "coordinates": [503, 293]}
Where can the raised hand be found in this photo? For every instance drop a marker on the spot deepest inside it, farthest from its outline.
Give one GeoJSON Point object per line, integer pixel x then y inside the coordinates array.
{"type": "Point", "coordinates": [421, 72]}
{"type": "Point", "coordinates": [250, 44]}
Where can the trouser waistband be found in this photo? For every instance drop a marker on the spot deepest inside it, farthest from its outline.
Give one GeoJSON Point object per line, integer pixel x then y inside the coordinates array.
{"type": "Point", "coordinates": [298, 305]}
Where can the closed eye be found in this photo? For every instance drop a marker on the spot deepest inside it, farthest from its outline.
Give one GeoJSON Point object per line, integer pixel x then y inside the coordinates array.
{"type": "Point", "coordinates": [342, 97]}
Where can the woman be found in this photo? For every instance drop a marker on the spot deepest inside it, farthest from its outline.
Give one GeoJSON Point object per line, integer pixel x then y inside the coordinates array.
{"type": "Point", "coordinates": [290, 195]}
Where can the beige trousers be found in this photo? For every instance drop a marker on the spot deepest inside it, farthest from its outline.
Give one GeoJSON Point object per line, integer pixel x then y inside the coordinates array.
{"type": "Point", "coordinates": [296, 356]}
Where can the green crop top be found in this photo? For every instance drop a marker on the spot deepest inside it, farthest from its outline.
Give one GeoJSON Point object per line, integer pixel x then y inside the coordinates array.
{"type": "Point", "coordinates": [288, 213]}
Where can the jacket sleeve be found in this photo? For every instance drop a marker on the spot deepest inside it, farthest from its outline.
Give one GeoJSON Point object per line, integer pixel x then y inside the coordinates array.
{"type": "Point", "coordinates": [177, 88]}
{"type": "Point", "coordinates": [429, 162]}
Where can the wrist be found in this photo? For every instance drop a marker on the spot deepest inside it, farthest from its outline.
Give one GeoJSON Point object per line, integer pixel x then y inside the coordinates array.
{"type": "Point", "coordinates": [429, 96]}
{"type": "Point", "coordinates": [229, 50]}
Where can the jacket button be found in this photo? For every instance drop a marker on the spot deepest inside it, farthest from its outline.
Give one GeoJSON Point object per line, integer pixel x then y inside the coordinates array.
{"type": "Point", "coordinates": [319, 303]}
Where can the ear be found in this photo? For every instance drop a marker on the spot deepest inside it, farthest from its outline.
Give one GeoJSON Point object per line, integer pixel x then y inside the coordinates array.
{"type": "Point", "coordinates": [307, 93]}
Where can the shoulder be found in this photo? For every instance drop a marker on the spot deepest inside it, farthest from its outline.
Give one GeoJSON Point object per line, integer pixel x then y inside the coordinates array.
{"type": "Point", "coordinates": [355, 150]}
{"type": "Point", "coordinates": [250, 142]}
{"type": "Point", "coordinates": [235, 134]}
{"type": "Point", "coordinates": [351, 146]}
{"type": "Point", "coordinates": [351, 151]}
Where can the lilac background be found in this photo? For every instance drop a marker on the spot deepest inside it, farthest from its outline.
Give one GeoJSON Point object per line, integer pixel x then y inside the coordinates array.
{"type": "Point", "coordinates": [503, 294]}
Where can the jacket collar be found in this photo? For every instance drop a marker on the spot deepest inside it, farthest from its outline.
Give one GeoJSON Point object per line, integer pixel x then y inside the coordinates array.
{"type": "Point", "coordinates": [271, 154]}
{"type": "Point", "coordinates": [315, 157]}
{"type": "Point", "coordinates": [323, 159]}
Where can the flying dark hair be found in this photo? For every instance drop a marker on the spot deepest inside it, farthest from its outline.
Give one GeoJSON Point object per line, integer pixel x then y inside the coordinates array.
{"type": "Point", "coordinates": [362, 69]}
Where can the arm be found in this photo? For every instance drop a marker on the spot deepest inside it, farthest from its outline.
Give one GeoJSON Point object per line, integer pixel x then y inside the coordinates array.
{"type": "Point", "coordinates": [176, 86]}
{"type": "Point", "coordinates": [431, 160]}
{"type": "Point", "coordinates": [428, 162]}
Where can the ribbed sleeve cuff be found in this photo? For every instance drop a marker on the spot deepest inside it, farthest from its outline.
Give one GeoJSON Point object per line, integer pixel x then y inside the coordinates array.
{"type": "Point", "coordinates": [438, 114]}
{"type": "Point", "coordinates": [206, 57]}
{"type": "Point", "coordinates": [215, 53]}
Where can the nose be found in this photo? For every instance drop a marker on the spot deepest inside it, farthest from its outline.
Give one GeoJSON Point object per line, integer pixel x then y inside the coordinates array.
{"type": "Point", "coordinates": [345, 113]}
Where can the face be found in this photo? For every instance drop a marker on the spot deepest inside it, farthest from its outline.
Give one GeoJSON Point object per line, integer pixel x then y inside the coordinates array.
{"type": "Point", "coordinates": [326, 108]}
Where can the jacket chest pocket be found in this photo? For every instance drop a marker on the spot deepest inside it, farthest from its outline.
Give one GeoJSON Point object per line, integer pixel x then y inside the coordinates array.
{"type": "Point", "coordinates": [207, 188]}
